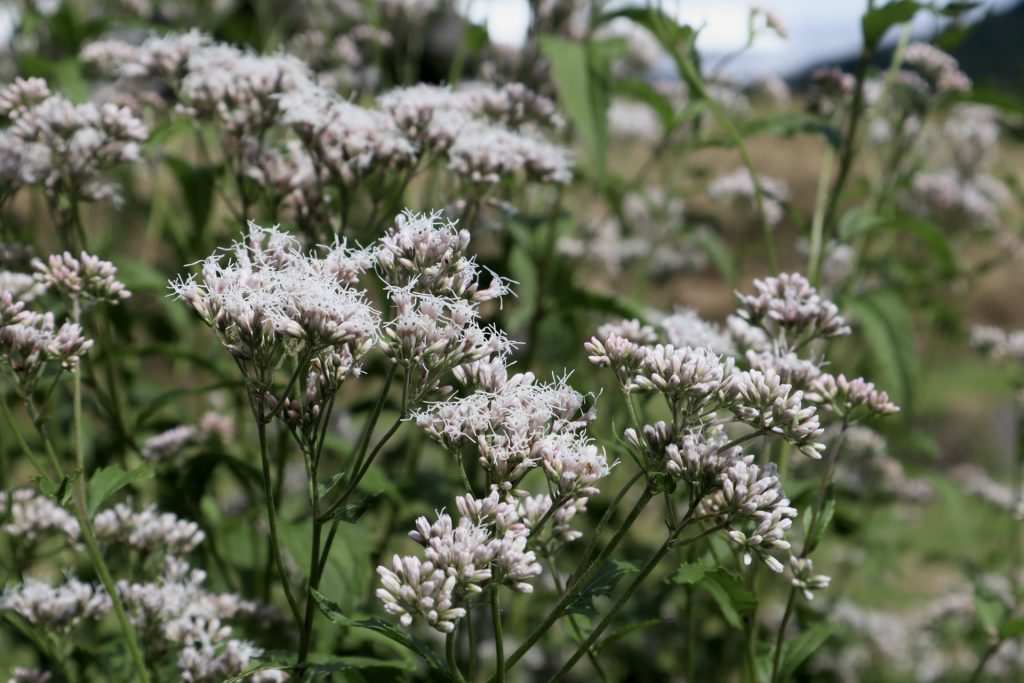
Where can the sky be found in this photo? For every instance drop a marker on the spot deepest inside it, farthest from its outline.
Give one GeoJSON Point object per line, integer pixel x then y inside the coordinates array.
{"type": "Point", "coordinates": [819, 30]}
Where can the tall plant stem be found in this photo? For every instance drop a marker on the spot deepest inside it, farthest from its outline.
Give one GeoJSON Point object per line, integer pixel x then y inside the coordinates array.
{"type": "Point", "coordinates": [621, 601]}
{"type": "Point", "coordinates": [692, 77]}
{"type": "Point", "coordinates": [499, 638]}
{"type": "Point", "coordinates": [259, 408]}
{"type": "Point", "coordinates": [809, 541]}
{"type": "Point", "coordinates": [449, 651]}
{"type": "Point", "coordinates": [360, 466]}
{"type": "Point", "coordinates": [818, 220]}
{"type": "Point", "coordinates": [849, 148]}
{"type": "Point", "coordinates": [577, 586]}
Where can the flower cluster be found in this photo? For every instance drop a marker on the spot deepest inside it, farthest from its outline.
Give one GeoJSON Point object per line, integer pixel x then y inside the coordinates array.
{"type": "Point", "coordinates": [940, 69]}
{"type": "Point", "coordinates": [738, 186]}
{"type": "Point", "coordinates": [192, 620]}
{"type": "Point", "coordinates": [788, 307]}
{"type": "Point", "coordinates": [87, 279]}
{"type": "Point", "coordinates": [652, 230]}
{"type": "Point", "coordinates": [69, 145]}
{"type": "Point", "coordinates": [172, 442]}
{"type": "Point", "coordinates": [520, 425]}
{"type": "Point", "coordinates": [484, 550]}
{"type": "Point", "coordinates": [29, 515]}
{"type": "Point", "coordinates": [271, 295]}
{"type": "Point", "coordinates": [30, 340]}
{"type": "Point", "coordinates": [56, 608]}
{"type": "Point", "coordinates": [147, 530]}
{"type": "Point", "coordinates": [998, 343]}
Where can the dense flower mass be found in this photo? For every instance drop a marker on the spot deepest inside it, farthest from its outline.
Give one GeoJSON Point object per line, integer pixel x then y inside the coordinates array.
{"type": "Point", "coordinates": [612, 381]}
{"type": "Point", "coordinates": [485, 549]}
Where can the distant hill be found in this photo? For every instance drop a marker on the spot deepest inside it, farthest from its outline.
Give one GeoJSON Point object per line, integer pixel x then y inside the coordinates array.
{"type": "Point", "coordinates": [990, 51]}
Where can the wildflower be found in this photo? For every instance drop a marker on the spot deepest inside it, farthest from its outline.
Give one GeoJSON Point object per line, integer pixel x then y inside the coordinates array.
{"type": "Point", "coordinates": [148, 530]}
{"type": "Point", "coordinates": [804, 579]}
{"type": "Point", "coordinates": [271, 292]}
{"type": "Point", "coordinates": [842, 396]}
{"type": "Point", "coordinates": [21, 286]}
{"type": "Point", "coordinates": [787, 306]}
{"type": "Point", "coordinates": [763, 401]}
{"type": "Point", "coordinates": [31, 515]}
{"type": "Point", "coordinates": [739, 186]}
{"type": "Point", "coordinates": [350, 141]}
{"type": "Point", "coordinates": [57, 608]}
{"type": "Point", "coordinates": [686, 328]}
{"type": "Point", "coordinates": [87, 279]}
{"type": "Point", "coordinates": [415, 588]}
{"type": "Point", "coordinates": [753, 496]}
{"type": "Point", "coordinates": [429, 254]}
{"type": "Point", "coordinates": [508, 426]}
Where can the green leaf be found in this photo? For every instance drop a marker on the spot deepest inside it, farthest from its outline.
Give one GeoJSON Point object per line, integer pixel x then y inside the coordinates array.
{"type": "Point", "coordinates": [350, 514]}
{"type": "Point", "coordinates": [603, 583]}
{"type": "Point", "coordinates": [689, 573]}
{"type": "Point", "coordinates": [875, 23]}
{"type": "Point", "coordinates": [790, 123]}
{"type": "Point", "coordinates": [1012, 628]}
{"type": "Point", "coordinates": [59, 490]}
{"type": "Point", "coordinates": [621, 633]}
{"type": "Point", "coordinates": [828, 510]}
{"type": "Point", "coordinates": [861, 221]}
{"type": "Point", "coordinates": [642, 91]}
{"type": "Point", "coordinates": [391, 632]}
{"type": "Point", "coordinates": [731, 594]}
{"type": "Point", "coordinates": [990, 610]}
{"type": "Point", "coordinates": [108, 480]}
{"type": "Point", "coordinates": [197, 185]}
{"type": "Point", "coordinates": [888, 329]}
{"type": "Point", "coordinates": [796, 650]}
{"type": "Point", "coordinates": [720, 254]}
{"type": "Point", "coordinates": [328, 486]}
{"type": "Point", "coordinates": [582, 75]}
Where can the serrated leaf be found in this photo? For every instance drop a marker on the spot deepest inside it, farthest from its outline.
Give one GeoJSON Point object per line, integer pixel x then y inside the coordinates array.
{"type": "Point", "coordinates": [108, 480]}
{"type": "Point", "coordinates": [689, 573]}
{"type": "Point", "coordinates": [602, 584]}
{"type": "Point", "coordinates": [796, 650]}
{"type": "Point", "coordinates": [391, 632]}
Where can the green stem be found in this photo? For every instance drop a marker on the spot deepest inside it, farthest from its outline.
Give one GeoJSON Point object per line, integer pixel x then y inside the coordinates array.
{"type": "Point", "coordinates": [980, 669]}
{"type": "Point", "coordinates": [449, 651]}
{"type": "Point", "coordinates": [818, 221]}
{"type": "Point", "coordinates": [575, 588]}
{"type": "Point", "coordinates": [849, 147]}
{"type": "Point", "coordinates": [268, 492]}
{"type": "Point", "coordinates": [621, 601]}
{"type": "Point", "coordinates": [693, 78]}
{"type": "Point", "coordinates": [499, 639]}
{"type": "Point", "coordinates": [471, 637]}
{"type": "Point", "coordinates": [777, 655]}
{"type": "Point", "coordinates": [809, 540]}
